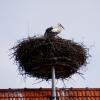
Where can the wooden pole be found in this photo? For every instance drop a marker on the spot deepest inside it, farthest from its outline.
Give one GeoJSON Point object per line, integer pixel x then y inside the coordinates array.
{"type": "Point", "coordinates": [53, 84]}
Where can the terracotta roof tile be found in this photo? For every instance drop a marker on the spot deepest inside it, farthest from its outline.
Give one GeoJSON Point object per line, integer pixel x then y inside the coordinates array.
{"type": "Point", "coordinates": [45, 94]}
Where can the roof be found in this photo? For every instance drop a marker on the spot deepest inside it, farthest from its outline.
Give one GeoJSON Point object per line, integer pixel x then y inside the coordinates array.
{"type": "Point", "coordinates": [45, 94]}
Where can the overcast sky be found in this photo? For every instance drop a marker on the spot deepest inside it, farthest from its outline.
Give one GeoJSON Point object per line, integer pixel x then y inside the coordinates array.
{"type": "Point", "coordinates": [20, 18]}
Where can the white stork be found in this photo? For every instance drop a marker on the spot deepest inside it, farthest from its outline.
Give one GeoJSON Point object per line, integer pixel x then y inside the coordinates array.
{"type": "Point", "coordinates": [53, 30]}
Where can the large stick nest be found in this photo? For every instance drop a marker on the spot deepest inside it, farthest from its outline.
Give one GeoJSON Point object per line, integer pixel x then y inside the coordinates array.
{"type": "Point", "coordinates": [36, 56]}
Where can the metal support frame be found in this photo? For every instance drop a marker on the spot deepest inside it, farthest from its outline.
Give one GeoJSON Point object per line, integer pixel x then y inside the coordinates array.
{"type": "Point", "coordinates": [53, 84]}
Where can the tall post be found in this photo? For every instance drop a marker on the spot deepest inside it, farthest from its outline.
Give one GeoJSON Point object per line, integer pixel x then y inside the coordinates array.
{"type": "Point", "coordinates": [53, 84]}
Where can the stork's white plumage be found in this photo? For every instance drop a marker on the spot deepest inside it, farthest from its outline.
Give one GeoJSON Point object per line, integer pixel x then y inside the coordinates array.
{"type": "Point", "coordinates": [53, 30]}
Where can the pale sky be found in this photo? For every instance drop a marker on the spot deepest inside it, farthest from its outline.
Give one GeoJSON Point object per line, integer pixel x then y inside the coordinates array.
{"type": "Point", "coordinates": [20, 18]}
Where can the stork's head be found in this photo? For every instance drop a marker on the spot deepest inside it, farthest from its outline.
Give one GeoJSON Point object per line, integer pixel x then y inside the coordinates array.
{"type": "Point", "coordinates": [58, 28]}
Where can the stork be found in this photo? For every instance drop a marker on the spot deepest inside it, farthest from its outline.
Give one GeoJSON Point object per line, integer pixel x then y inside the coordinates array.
{"type": "Point", "coordinates": [53, 30]}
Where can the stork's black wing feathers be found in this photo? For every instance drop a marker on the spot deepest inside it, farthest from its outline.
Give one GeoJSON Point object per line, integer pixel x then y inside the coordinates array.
{"type": "Point", "coordinates": [48, 30]}
{"type": "Point", "coordinates": [49, 33]}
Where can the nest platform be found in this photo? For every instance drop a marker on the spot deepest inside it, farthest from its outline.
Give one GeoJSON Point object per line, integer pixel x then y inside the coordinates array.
{"type": "Point", "coordinates": [36, 55]}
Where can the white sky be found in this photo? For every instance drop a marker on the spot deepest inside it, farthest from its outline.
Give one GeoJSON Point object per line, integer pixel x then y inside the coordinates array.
{"type": "Point", "coordinates": [20, 18]}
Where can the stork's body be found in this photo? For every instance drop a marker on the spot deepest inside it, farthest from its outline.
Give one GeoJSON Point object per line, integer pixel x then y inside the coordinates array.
{"type": "Point", "coordinates": [53, 31]}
